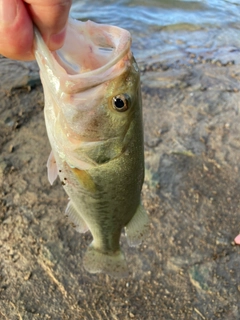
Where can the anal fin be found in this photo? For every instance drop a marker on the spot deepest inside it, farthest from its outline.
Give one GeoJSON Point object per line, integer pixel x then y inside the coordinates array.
{"type": "Point", "coordinates": [76, 218]}
{"type": "Point", "coordinates": [138, 227]}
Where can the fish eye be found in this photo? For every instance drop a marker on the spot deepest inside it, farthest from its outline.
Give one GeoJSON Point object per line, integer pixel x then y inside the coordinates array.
{"type": "Point", "coordinates": [121, 102]}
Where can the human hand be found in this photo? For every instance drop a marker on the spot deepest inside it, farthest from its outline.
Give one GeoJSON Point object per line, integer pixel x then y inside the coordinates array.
{"type": "Point", "coordinates": [17, 18]}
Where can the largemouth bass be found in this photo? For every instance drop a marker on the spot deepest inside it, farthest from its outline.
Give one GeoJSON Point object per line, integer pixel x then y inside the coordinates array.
{"type": "Point", "coordinates": [94, 124]}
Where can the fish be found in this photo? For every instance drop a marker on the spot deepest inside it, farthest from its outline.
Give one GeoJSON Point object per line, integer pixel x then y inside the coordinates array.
{"type": "Point", "coordinates": [93, 116]}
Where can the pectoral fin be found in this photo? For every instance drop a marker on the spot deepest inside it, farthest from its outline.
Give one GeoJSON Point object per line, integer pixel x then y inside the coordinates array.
{"type": "Point", "coordinates": [138, 227]}
{"type": "Point", "coordinates": [52, 168]}
{"type": "Point", "coordinates": [75, 218]}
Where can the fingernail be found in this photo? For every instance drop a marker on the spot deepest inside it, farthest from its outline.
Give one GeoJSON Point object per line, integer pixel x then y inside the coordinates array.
{"type": "Point", "coordinates": [8, 12]}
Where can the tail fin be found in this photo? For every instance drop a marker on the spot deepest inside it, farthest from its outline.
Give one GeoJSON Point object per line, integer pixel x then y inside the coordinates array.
{"type": "Point", "coordinates": [112, 264]}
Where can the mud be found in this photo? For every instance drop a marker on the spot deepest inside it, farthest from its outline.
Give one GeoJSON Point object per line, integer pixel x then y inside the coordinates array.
{"type": "Point", "coordinates": [188, 268]}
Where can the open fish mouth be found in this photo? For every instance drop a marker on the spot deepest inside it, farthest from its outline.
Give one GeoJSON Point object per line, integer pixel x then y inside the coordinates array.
{"type": "Point", "coordinates": [91, 54]}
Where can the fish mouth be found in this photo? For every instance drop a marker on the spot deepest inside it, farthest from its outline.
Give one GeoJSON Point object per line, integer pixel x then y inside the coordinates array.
{"type": "Point", "coordinates": [91, 54]}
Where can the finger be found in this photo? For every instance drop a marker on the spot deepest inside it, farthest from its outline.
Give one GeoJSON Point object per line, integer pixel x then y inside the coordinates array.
{"type": "Point", "coordinates": [50, 16]}
{"type": "Point", "coordinates": [16, 30]}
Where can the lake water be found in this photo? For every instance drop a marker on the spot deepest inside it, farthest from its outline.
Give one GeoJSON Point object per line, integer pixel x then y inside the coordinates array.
{"type": "Point", "coordinates": [162, 27]}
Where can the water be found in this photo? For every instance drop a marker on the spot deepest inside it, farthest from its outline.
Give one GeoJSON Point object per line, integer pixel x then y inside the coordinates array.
{"type": "Point", "coordinates": [168, 27]}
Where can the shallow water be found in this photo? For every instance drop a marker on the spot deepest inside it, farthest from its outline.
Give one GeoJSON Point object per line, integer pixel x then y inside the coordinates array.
{"type": "Point", "coordinates": [166, 27]}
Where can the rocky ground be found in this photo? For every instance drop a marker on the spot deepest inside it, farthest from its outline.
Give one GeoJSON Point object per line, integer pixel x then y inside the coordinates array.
{"type": "Point", "coordinates": [189, 267]}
